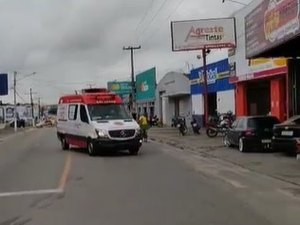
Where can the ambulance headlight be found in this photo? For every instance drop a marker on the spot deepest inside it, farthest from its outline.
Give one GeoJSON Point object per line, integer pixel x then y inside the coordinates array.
{"type": "Point", "coordinates": [138, 131]}
{"type": "Point", "coordinates": [101, 133]}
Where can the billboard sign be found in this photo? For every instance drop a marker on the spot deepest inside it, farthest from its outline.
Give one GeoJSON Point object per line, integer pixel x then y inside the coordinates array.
{"type": "Point", "coordinates": [200, 34]}
{"type": "Point", "coordinates": [3, 84]}
{"type": "Point", "coordinates": [120, 87]}
{"type": "Point", "coordinates": [146, 85]}
{"type": "Point", "coordinates": [270, 24]}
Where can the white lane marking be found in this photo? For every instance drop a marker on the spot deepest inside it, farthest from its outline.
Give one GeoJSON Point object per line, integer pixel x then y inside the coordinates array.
{"type": "Point", "coordinates": [235, 183]}
{"type": "Point", "coordinates": [31, 192]}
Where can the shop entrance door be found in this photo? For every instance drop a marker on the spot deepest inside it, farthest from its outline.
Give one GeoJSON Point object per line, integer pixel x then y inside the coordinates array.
{"type": "Point", "coordinates": [212, 103]}
{"type": "Point", "coordinates": [258, 98]}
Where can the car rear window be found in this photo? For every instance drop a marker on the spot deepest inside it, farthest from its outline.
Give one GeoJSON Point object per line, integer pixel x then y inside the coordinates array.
{"type": "Point", "coordinates": [264, 122]}
{"type": "Point", "coordinates": [295, 120]}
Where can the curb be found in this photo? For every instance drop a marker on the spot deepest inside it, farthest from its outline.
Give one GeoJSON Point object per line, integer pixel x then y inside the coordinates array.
{"type": "Point", "coordinates": [207, 154]}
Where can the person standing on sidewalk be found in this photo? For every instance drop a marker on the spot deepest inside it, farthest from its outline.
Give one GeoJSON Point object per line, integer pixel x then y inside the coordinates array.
{"type": "Point", "coordinates": [143, 122]}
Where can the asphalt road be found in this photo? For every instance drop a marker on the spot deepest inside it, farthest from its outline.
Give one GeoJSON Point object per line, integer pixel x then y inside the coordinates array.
{"type": "Point", "coordinates": [43, 185]}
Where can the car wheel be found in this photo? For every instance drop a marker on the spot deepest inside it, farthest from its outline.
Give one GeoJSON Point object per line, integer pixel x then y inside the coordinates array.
{"type": "Point", "coordinates": [91, 148]}
{"type": "Point", "coordinates": [134, 151]}
{"type": "Point", "coordinates": [64, 144]}
{"type": "Point", "coordinates": [241, 145]}
{"type": "Point", "coordinates": [226, 141]}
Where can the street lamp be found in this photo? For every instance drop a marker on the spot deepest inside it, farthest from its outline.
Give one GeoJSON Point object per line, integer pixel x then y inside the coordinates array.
{"type": "Point", "coordinates": [15, 95]}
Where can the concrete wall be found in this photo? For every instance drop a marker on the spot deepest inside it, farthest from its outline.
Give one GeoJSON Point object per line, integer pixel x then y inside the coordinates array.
{"type": "Point", "coordinates": [226, 101]}
{"type": "Point", "coordinates": [185, 108]}
{"type": "Point", "coordinates": [198, 104]}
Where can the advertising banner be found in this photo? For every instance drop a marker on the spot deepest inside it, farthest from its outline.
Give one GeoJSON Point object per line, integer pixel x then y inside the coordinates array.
{"type": "Point", "coordinates": [270, 24]}
{"type": "Point", "coordinates": [200, 34]}
{"type": "Point", "coordinates": [146, 85]}
{"type": "Point", "coordinates": [3, 84]}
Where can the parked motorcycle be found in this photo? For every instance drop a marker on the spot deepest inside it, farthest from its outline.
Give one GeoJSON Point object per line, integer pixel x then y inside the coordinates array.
{"type": "Point", "coordinates": [154, 121]}
{"type": "Point", "coordinates": [196, 127]}
{"type": "Point", "coordinates": [219, 125]}
{"type": "Point", "coordinates": [181, 125]}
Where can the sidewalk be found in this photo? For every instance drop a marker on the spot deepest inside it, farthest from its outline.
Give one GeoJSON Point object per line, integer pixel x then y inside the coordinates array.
{"type": "Point", "coordinates": [276, 165]}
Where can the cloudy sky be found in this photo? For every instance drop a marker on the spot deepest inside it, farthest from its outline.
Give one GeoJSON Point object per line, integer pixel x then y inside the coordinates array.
{"type": "Point", "coordinates": [71, 44]}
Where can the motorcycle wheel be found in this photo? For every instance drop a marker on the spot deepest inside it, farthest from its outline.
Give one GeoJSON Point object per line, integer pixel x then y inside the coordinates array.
{"type": "Point", "coordinates": [211, 132]}
{"type": "Point", "coordinates": [183, 131]}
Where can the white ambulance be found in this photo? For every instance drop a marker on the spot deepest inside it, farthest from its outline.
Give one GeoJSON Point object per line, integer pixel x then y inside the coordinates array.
{"type": "Point", "coordinates": [96, 120]}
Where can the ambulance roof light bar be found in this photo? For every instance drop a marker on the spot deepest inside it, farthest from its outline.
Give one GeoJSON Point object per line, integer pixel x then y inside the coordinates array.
{"type": "Point", "coordinates": [94, 90]}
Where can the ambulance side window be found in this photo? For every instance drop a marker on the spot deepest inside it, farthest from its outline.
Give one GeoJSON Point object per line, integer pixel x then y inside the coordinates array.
{"type": "Point", "coordinates": [73, 112]}
{"type": "Point", "coordinates": [83, 114]}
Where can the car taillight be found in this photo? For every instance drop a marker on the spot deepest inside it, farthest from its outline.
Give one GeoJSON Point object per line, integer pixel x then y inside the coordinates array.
{"type": "Point", "coordinates": [249, 133]}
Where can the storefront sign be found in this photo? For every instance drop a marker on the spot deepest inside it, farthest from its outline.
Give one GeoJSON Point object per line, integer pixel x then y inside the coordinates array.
{"type": "Point", "coordinates": [217, 78]}
{"type": "Point", "coordinates": [261, 64]}
{"type": "Point", "coordinates": [270, 24]}
{"type": "Point", "coordinates": [146, 85]}
{"type": "Point", "coordinates": [200, 34]}
{"type": "Point", "coordinates": [3, 84]}
{"type": "Point", "coordinates": [260, 74]}
{"type": "Point", "coordinates": [213, 75]}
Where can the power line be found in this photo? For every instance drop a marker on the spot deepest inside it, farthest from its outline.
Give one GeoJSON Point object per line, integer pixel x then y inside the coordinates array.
{"type": "Point", "coordinates": [152, 19]}
{"type": "Point", "coordinates": [145, 15]}
{"type": "Point", "coordinates": [20, 97]}
{"type": "Point", "coordinates": [170, 15]}
{"type": "Point", "coordinates": [234, 1]}
{"type": "Point", "coordinates": [60, 82]}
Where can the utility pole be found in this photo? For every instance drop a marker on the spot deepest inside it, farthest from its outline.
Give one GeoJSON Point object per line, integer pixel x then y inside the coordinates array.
{"type": "Point", "coordinates": [15, 101]}
{"type": "Point", "coordinates": [15, 96]}
{"type": "Point", "coordinates": [133, 92]}
{"type": "Point", "coordinates": [204, 53]}
{"type": "Point", "coordinates": [39, 102]}
{"type": "Point", "coordinates": [32, 107]}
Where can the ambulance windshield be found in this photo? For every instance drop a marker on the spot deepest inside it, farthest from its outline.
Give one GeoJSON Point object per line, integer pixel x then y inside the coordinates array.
{"type": "Point", "coordinates": [108, 112]}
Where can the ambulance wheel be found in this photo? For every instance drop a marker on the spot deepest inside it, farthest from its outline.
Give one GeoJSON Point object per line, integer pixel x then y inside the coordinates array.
{"type": "Point", "coordinates": [64, 144]}
{"type": "Point", "coordinates": [91, 148]}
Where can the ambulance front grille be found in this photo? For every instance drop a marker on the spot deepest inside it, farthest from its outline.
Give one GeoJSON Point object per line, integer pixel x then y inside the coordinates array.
{"type": "Point", "coordinates": [122, 133]}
